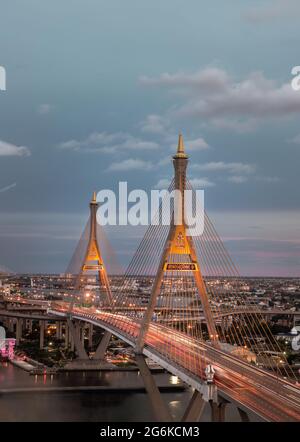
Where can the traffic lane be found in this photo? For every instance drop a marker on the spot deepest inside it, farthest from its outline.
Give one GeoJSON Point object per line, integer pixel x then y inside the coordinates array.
{"type": "Point", "coordinates": [187, 357]}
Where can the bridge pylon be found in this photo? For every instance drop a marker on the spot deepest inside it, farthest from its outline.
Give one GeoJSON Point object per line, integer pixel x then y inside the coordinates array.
{"type": "Point", "coordinates": [92, 275]}
{"type": "Point", "coordinates": [179, 255]}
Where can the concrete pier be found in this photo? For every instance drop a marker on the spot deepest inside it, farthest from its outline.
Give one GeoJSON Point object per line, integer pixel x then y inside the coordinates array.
{"type": "Point", "coordinates": [42, 334]}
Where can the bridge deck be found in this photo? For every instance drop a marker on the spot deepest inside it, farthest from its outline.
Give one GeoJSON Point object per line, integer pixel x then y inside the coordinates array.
{"type": "Point", "coordinates": [272, 398]}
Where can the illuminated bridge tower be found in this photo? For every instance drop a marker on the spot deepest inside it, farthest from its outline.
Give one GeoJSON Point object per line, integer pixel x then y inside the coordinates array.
{"type": "Point", "coordinates": [179, 256]}
{"type": "Point", "coordinates": [91, 287]}
{"type": "Point", "coordinates": [91, 281]}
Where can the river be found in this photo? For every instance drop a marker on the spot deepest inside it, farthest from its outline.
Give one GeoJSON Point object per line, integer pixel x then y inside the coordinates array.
{"type": "Point", "coordinates": [87, 406]}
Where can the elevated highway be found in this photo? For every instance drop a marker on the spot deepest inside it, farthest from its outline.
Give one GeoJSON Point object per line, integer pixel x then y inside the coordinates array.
{"type": "Point", "coordinates": [272, 398]}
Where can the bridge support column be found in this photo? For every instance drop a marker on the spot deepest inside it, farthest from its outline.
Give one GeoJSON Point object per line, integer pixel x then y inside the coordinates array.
{"type": "Point", "coordinates": [66, 336]}
{"type": "Point", "coordinates": [296, 319]}
{"type": "Point", "coordinates": [82, 333]}
{"type": "Point", "coordinates": [75, 333]}
{"type": "Point", "coordinates": [5, 322]}
{"type": "Point", "coordinates": [91, 329]}
{"type": "Point", "coordinates": [19, 330]}
{"type": "Point", "coordinates": [194, 409]}
{"type": "Point", "coordinates": [243, 415]}
{"type": "Point", "coordinates": [10, 325]}
{"type": "Point", "coordinates": [218, 411]}
{"type": "Point", "coordinates": [24, 325]}
{"type": "Point", "coordinates": [102, 346]}
{"type": "Point", "coordinates": [71, 340]}
{"type": "Point", "coordinates": [42, 334]}
{"type": "Point", "coordinates": [29, 325]}
{"type": "Point", "coordinates": [159, 408]}
{"type": "Point", "coordinates": [58, 329]}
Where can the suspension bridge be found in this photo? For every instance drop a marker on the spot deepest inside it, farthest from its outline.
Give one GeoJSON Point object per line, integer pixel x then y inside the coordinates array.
{"type": "Point", "coordinates": [176, 322]}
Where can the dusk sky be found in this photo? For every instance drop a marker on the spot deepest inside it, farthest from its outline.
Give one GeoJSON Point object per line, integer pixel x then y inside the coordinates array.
{"type": "Point", "coordinates": [97, 92]}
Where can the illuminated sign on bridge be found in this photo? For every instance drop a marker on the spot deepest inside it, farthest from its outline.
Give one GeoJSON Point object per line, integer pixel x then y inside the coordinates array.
{"type": "Point", "coordinates": [181, 266]}
{"type": "Point", "coordinates": [92, 267]}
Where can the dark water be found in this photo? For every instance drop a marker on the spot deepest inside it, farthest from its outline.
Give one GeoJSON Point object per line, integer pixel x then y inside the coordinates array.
{"type": "Point", "coordinates": [90, 406]}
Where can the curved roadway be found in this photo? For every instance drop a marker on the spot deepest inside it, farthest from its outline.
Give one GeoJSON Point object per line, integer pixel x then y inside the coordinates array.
{"type": "Point", "coordinates": [273, 398]}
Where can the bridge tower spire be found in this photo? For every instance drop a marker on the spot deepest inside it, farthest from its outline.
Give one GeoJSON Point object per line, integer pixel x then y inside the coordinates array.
{"type": "Point", "coordinates": [93, 261]}
{"type": "Point", "coordinates": [177, 244]}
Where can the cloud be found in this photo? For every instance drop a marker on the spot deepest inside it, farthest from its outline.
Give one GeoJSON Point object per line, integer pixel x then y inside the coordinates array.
{"type": "Point", "coordinates": [212, 95]}
{"type": "Point", "coordinates": [275, 9]}
{"type": "Point", "coordinates": [200, 183]}
{"type": "Point", "coordinates": [267, 179]}
{"type": "Point", "coordinates": [154, 124]}
{"type": "Point", "coordinates": [159, 125]}
{"type": "Point", "coordinates": [295, 140]}
{"type": "Point", "coordinates": [131, 164]}
{"type": "Point", "coordinates": [102, 142]}
{"type": "Point", "coordinates": [206, 80]}
{"type": "Point", "coordinates": [165, 161]}
{"type": "Point", "coordinates": [9, 150]}
{"type": "Point", "coordinates": [238, 173]}
{"type": "Point", "coordinates": [236, 125]}
{"type": "Point", "coordinates": [233, 168]}
{"type": "Point", "coordinates": [237, 179]}
{"type": "Point", "coordinates": [197, 183]}
{"type": "Point", "coordinates": [44, 109]}
{"type": "Point", "coordinates": [197, 144]}
{"type": "Point", "coordinates": [162, 183]}
{"type": "Point", "coordinates": [6, 188]}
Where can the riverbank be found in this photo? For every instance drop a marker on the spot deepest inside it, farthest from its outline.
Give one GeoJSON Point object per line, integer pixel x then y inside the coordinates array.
{"type": "Point", "coordinates": [37, 368]}
{"type": "Point", "coordinates": [111, 389]}
{"type": "Point", "coordinates": [22, 364]}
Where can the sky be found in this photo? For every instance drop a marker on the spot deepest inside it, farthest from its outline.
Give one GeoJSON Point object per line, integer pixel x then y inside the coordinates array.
{"type": "Point", "coordinates": [96, 93]}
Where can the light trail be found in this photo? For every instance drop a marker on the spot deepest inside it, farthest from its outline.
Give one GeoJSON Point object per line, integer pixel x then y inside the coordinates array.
{"type": "Point", "coordinates": [256, 389]}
